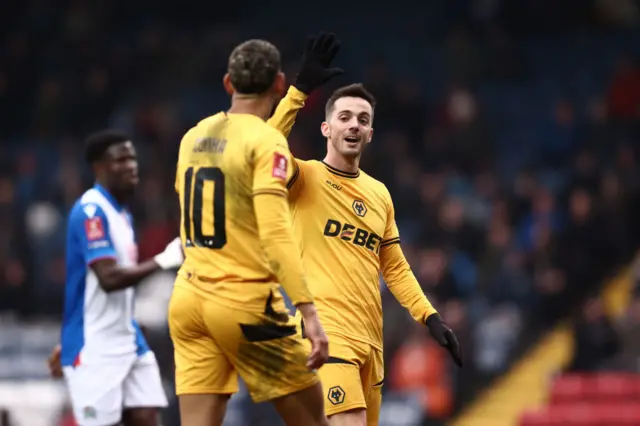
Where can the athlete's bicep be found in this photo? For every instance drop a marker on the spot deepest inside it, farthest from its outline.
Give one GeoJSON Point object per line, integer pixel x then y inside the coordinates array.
{"type": "Point", "coordinates": [91, 231]}
{"type": "Point", "coordinates": [103, 267]}
{"type": "Point", "coordinates": [271, 165]}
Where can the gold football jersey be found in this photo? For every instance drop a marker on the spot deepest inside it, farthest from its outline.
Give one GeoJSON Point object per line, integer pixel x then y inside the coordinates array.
{"type": "Point", "coordinates": [224, 161]}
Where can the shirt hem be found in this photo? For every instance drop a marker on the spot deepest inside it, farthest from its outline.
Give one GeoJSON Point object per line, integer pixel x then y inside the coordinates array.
{"type": "Point", "coordinates": [334, 332]}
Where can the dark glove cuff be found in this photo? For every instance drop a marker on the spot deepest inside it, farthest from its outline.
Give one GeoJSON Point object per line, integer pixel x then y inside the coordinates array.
{"type": "Point", "coordinates": [433, 317]}
{"type": "Point", "coordinates": [304, 88]}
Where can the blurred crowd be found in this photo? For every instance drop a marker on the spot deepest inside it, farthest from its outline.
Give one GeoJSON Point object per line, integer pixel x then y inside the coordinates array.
{"type": "Point", "coordinates": [512, 158]}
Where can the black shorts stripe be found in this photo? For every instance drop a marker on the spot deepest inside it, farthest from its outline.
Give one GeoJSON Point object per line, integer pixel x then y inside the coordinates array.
{"type": "Point", "coordinates": [335, 360]}
{"type": "Point", "coordinates": [264, 332]}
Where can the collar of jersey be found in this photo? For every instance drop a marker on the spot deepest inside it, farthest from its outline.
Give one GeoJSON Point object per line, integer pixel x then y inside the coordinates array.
{"type": "Point", "coordinates": [108, 196]}
{"type": "Point", "coordinates": [341, 173]}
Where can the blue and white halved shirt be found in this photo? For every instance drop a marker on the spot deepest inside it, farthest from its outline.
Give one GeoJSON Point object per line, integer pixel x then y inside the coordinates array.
{"type": "Point", "coordinates": [98, 326]}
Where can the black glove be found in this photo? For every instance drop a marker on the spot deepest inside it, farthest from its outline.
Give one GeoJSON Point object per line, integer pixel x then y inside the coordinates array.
{"type": "Point", "coordinates": [316, 60]}
{"type": "Point", "coordinates": [445, 337]}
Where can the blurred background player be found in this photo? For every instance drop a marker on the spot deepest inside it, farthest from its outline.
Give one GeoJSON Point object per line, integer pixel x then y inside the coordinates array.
{"type": "Point", "coordinates": [111, 373]}
{"type": "Point", "coordinates": [227, 316]}
{"type": "Point", "coordinates": [346, 221]}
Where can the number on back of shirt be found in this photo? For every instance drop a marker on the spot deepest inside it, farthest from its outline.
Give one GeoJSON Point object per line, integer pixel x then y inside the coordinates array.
{"type": "Point", "coordinates": [197, 204]}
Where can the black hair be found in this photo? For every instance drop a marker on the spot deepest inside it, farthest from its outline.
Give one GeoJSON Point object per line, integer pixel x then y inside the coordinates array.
{"type": "Point", "coordinates": [253, 66]}
{"type": "Point", "coordinates": [356, 90]}
{"type": "Point", "coordinates": [98, 143]}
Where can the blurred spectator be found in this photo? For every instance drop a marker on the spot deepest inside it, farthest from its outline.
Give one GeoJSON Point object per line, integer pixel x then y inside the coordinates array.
{"type": "Point", "coordinates": [624, 92]}
{"type": "Point", "coordinates": [434, 273]}
{"type": "Point", "coordinates": [419, 367]}
{"type": "Point", "coordinates": [628, 329]}
{"type": "Point", "coordinates": [495, 336]}
{"type": "Point", "coordinates": [623, 13]}
{"type": "Point", "coordinates": [596, 339]}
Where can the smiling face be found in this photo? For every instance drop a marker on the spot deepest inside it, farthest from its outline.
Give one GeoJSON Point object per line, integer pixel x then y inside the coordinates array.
{"type": "Point", "coordinates": [348, 126]}
{"type": "Point", "coordinates": [118, 168]}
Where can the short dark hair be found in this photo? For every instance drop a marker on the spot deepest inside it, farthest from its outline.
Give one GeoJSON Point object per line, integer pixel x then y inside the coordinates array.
{"type": "Point", "coordinates": [355, 90]}
{"type": "Point", "coordinates": [98, 143]}
{"type": "Point", "coordinates": [253, 66]}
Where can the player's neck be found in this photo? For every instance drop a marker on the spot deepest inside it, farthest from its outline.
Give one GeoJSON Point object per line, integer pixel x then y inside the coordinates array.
{"type": "Point", "coordinates": [118, 197]}
{"type": "Point", "coordinates": [257, 106]}
{"type": "Point", "coordinates": [344, 164]}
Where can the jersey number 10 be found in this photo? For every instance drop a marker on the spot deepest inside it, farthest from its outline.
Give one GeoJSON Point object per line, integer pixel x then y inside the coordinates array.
{"type": "Point", "coordinates": [197, 238]}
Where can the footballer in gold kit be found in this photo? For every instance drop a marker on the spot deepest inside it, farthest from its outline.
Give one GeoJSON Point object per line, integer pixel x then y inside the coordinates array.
{"type": "Point", "coordinates": [227, 316]}
{"type": "Point", "coordinates": [345, 222]}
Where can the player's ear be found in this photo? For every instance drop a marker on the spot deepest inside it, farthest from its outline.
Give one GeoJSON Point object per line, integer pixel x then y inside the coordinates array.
{"type": "Point", "coordinates": [280, 84]}
{"type": "Point", "coordinates": [226, 82]}
{"type": "Point", "coordinates": [324, 128]}
{"type": "Point", "coordinates": [370, 135]}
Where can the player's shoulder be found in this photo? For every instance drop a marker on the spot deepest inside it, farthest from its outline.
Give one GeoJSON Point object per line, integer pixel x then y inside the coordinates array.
{"type": "Point", "coordinates": [86, 207]}
{"type": "Point", "coordinates": [90, 203]}
{"type": "Point", "coordinates": [310, 164]}
{"type": "Point", "coordinates": [374, 184]}
{"type": "Point", "coordinates": [260, 131]}
{"type": "Point", "coordinates": [265, 139]}
{"type": "Point", "coordinates": [201, 128]}
{"type": "Point", "coordinates": [375, 190]}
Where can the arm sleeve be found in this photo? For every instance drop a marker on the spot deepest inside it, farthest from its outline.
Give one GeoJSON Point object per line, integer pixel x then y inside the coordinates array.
{"type": "Point", "coordinates": [90, 226]}
{"type": "Point", "coordinates": [283, 120]}
{"type": "Point", "coordinates": [271, 160]}
{"type": "Point", "coordinates": [176, 184]}
{"type": "Point", "coordinates": [295, 184]}
{"type": "Point", "coordinates": [397, 273]}
{"type": "Point", "coordinates": [285, 114]}
{"type": "Point", "coordinates": [274, 219]}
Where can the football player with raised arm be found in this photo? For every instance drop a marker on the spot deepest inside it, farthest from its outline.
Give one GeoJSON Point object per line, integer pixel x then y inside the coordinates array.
{"type": "Point", "coordinates": [345, 221]}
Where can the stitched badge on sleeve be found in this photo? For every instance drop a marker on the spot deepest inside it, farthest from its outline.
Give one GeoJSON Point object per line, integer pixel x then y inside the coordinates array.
{"type": "Point", "coordinates": [280, 163]}
{"type": "Point", "coordinates": [94, 228]}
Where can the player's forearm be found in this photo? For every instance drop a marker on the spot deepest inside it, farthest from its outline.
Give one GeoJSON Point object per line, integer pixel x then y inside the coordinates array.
{"type": "Point", "coordinates": [112, 277]}
{"type": "Point", "coordinates": [274, 224]}
{"type": "Point", "coordinates": [403, 284]}
{"type": "Point", "coordinates": [285, 114]}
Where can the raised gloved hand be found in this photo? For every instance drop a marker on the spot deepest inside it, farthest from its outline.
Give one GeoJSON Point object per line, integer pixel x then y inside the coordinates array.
{"type": "Point", "coordinates": [445, 337]}
{"type": "Point", "coordinates": [316, 62]}
{"type": "Point", "coordinates": [172, 256]}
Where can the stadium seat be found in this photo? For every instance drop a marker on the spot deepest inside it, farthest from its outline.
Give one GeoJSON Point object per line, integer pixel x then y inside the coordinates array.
{"type": "Point", "coordinates": [584, 414]}
{"type": "Point", "coordinates": [568, 415]}
{"type": "Point", "coordinates": [619, 414]}
{"type": "Point", "coordinates": [566, 388]}
{"type": "Point", "coordinates": [536, 418]}
{"type": "Point", "coordinates": [612, 387]}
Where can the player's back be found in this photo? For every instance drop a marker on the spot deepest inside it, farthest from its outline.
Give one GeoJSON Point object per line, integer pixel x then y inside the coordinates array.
{"type": "Point", "coordinates": [215, 184]}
